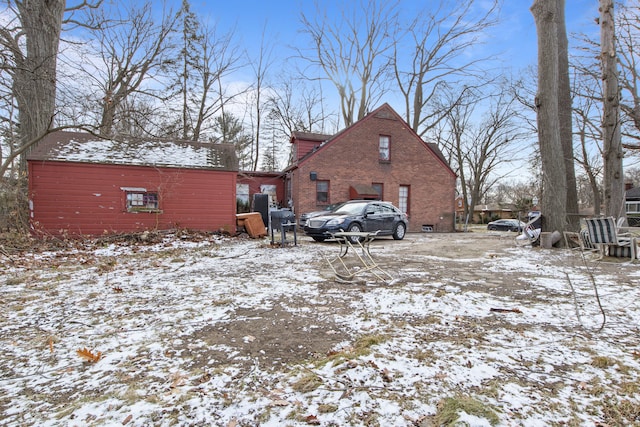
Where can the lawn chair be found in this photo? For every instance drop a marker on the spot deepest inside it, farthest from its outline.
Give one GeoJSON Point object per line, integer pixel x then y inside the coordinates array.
{"type": "Point", "coordinates": [604, 234]}
{"type": "Point", "coordinates": [530, 232]}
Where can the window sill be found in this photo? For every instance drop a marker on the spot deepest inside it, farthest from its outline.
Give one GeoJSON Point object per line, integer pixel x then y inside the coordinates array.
{"type": "Point", "coordinates": [384, 161]}
{"type": "Point", "coordinates": [144, 210]}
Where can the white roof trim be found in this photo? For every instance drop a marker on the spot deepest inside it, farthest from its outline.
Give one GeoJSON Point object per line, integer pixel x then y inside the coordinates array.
{"type": "Point", "coordinates": [141, 189]}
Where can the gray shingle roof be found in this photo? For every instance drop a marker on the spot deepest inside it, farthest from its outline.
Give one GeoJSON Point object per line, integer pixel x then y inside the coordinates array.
{"type": "Point", "coordinates": [81, 147]}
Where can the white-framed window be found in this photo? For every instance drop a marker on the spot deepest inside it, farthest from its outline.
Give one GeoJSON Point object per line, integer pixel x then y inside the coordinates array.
{"type": "Point", "coordinates": [384, 148]}
{"type": "Point", "coordinates": [633, 207]}
{"type": "Point", "coordinates": [403, 199]}
{"type": "Point", "coordinates": [141, 200]}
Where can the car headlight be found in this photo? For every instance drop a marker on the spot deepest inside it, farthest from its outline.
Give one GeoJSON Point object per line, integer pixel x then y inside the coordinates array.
{"type": "Point", "coordinates": [335, 221]}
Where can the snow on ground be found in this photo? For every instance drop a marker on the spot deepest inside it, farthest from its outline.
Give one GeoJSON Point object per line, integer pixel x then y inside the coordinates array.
{"type": "Point", "coordinates": [235, 332]}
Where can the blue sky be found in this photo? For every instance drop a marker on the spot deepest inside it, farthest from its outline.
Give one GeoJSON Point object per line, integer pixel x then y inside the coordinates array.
{"type": "Point", "coordinates": [513, 40]}
{"type": "Point", "coordinates": [515, 36]}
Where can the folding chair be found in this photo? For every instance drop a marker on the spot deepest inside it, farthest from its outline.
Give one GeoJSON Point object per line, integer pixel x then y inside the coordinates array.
{"type": "Point", "coordinates": [603, 233]}
{"type": "Point", "coordinates": [530, 232]}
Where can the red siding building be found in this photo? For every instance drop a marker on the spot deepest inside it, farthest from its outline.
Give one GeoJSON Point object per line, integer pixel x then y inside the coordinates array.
{"type": "Point", "coordinates": [379, 157]}
{"type": "Point", "coordinates": [83, 185]}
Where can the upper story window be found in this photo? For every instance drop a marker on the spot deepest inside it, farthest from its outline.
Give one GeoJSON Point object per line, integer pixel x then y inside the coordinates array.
{"type": "Point", "coordinates": [383, 148]}
{"type": "Point", "coordinates": [322, 192]}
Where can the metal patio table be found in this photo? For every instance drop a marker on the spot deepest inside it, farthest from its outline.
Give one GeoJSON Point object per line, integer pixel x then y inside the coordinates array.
{"type": "Point", "coordinates": [360, 252]}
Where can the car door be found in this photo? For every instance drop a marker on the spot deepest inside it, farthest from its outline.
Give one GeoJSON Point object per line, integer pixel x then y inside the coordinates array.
{"type": "Point", "coordinates": [373, 218]}
{"type": "Point", "coordinates": [388, 216]}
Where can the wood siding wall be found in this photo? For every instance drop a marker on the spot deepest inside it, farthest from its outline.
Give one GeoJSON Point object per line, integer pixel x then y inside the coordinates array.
{"type": "Point", "coordinates": [87, 199]}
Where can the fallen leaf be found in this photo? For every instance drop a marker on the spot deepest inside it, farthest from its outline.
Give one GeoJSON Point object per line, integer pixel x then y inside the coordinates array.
{"type": "Point", "coordinates": [126, 420]}
{"type": "Point", "coordinates": [88, 356]}
{"type": "Point", "coordinates": [313, 420]}
{"type": "Point", "coordinates": [177, 380]}
{"type": "Point", "coordinates": [386, 375]}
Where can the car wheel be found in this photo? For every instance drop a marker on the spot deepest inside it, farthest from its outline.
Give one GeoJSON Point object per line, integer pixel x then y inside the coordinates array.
{"type": "Point", "coordinates": [398, 233]}
{"type": "Point", "coordinates": [492, 228]}
{"type": "Point", "coordinates": [319, 239]}
{"type": "Point", "coordinates": [355, 228]}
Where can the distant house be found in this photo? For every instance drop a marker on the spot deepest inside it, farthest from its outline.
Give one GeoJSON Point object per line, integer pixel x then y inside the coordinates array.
{"type": "Point", "coordinates": [632, 204]}
{"type": "Point", "coordinates": [482, 214]}
{"type": "Point", "coordinates": [80, 184]}
{"type": "Point", "coordinates": [378, 157]}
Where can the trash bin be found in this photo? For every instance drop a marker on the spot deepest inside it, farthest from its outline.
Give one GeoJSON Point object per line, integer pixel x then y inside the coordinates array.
{"type": "Point", "coordinates": [261, 204]}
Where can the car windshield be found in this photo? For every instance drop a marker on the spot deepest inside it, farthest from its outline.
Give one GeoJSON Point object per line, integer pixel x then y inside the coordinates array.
{"type": "Point", "coordinates": [333, 207]}
{"type": "Point", "coordinates": [351, 209]}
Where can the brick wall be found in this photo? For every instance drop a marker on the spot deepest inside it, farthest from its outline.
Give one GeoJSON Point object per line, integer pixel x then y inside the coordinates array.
{"type": "Point", "coordinates": [352, 158]}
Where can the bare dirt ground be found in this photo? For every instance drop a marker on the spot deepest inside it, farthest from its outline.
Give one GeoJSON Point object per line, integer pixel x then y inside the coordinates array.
{"type": "Point", "coordinates": [193, 329]}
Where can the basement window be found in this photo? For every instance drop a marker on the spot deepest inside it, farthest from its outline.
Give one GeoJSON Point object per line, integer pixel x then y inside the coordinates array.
{"type": "Point", "coordinates": [138, 201]}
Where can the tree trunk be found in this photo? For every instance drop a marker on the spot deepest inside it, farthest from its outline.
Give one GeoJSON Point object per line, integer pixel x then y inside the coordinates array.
{"type": "Point", "coordinates": [554, 183]}
{"type": "Point", "coordinates": [35, 73]}
{"type": "Point", "coordinates": [612, 143]}
{"type": "Point", "coordinates": [565, 117]}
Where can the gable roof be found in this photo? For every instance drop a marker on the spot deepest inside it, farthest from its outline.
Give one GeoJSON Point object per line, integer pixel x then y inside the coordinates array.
{"type": "Point", "coordinates": [82, 147]}
{"type": "Point", "coordinates": [309, 136]}
{"type": "Point", "coordinates": [385, 111]}
{"type": "Point", "coordinates": [632, 193]}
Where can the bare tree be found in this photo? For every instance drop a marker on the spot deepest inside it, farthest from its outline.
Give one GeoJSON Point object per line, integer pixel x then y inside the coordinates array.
{"type": "Point", "coordinates": [587, 114]}
{"type": "Point", "coordinates": [133, 50]}
{"type": "Point", "coordinates": [438, 40]}
{"type": "Point", "coordinates": [612, 142]}
{"type": "Point", "coordinates": [352, 53]}
{"type": "Point", "coordinates": [34, 74]}
{"type": "Point", "coordinates": [260, 68]}
{"type": "Point", "coordinates": [294, 106]}
{"type": "Point", "coordinates": [28, 63]}
{"type": "Point", "coordinates": [554, 177]}
{"type": "Point", "coordinates": [565, 119]}
{"type": "Point", "coordinates": [478, 148]}
{"type": "Point", "coordinates": [297, 107]}
{"type": "Point", "coordinates": [627, 36]}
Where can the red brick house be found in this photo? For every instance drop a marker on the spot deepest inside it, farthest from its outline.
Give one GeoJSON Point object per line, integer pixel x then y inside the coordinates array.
{"type": "Point", "coordinates": [83, 185]}
{"type": "Point", "coordinates": [379, 157]}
